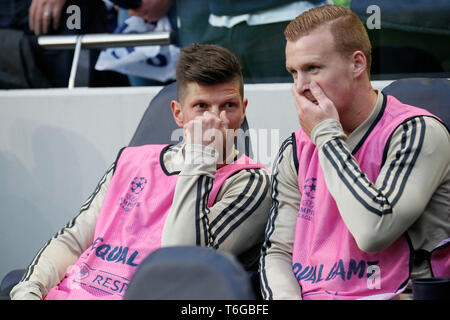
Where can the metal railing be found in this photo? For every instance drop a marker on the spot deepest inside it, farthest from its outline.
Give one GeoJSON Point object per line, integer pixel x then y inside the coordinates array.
{"type": "Point", "coordinates": [102, 41]}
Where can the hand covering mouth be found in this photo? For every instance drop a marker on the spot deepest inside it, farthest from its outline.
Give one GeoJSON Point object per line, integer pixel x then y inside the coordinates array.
{"type": "Point", "coordinates": [308, 95]}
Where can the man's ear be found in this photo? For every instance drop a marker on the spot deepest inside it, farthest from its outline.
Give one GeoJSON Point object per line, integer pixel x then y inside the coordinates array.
{"type": "Point", "coordinates": [177, 112]}
{"type": "Point", "coordinates": [359, 64]}
{"type": "Point", "coordinates": [244, 105]}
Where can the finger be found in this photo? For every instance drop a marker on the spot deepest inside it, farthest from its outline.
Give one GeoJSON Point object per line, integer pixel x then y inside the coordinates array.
{"type": "Point", "coordinates": [203, 119]}
{"type": "Point", "coordinates": [306, 105]}
{"type": "Point", "coordinates": [188, 129]}
{"type": "Point", "coordinates": [46, 18]}
{"type": "Point", "coordinates": [38, 17]}
{"type": "Point", "coordinates": [210, 114]}
{"type": "Point", "coordinates": [294, 95]}
{"type": "Point", "coordinates": [318, 93]}
{"type": "Point", "coordinates": [224, 119]}
{"type": "Point", "coordinates": [301, 102]}
{"type": "Point", "coordinates": [57, 11]}
{"type": "Point", "coordinates": [211, 118]}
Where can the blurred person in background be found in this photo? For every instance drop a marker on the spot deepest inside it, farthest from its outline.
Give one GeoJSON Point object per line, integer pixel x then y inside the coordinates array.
{"type": "Point", "coordinates": [253, 30]}
{"type": "Point", "coordinates": [143, 65]}
{"type": "Point", "coordinates": [21, 21]}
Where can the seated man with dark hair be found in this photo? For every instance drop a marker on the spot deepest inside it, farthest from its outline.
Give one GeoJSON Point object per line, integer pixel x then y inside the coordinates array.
{"type": "Point", "coordinates": [201, 192]}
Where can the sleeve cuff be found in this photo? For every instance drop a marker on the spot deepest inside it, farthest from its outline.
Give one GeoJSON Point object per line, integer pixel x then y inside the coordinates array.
{"type": "Point", "coordinates": [327, 130]}
{"type": "Point", "coordinates": [199, 160]}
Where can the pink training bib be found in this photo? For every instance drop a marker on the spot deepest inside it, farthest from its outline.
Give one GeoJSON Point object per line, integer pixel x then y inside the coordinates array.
{"type": "Point", "coordinates": [440, 259]}
{"type": "Point", "coordinates": [327, 262]}
{"type": "Point", "coordinates": [129, 225]}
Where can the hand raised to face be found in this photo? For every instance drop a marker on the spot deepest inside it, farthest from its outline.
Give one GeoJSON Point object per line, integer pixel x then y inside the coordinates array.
{"type": "Point", "coordinates": [208, 129]}
{"type": "Point", "coordinates": [311, 113]}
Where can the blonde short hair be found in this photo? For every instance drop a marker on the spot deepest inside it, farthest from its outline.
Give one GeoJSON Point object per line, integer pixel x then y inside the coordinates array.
{"type": "Point", "coordinates": [347, 29]}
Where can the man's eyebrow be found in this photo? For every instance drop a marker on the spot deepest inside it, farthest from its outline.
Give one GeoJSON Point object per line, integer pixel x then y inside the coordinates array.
{"type": "Point", "coordinates": [198, 100]}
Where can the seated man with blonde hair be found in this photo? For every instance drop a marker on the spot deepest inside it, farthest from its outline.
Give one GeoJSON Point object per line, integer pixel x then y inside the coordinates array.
{"type": "Point", "coordinates": [361, 192]}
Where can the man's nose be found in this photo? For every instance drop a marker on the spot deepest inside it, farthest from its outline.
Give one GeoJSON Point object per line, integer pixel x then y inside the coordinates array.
{"type": "Point", "coordinates": [215, 109]}
{"type": "Point", "coordinates": [301, 83]}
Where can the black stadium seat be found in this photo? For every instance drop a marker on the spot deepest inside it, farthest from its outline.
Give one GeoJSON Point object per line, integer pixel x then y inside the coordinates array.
{"type": "Point", "coordinates": [190, 273]}
{"type": "Point", "coordinates": [431, 94]}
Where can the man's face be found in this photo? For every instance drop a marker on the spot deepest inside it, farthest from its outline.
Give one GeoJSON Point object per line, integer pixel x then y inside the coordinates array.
{"type": "Point", "coordinates": [314, 58]}
{"type": "Point", "coordinates": [216, 98]}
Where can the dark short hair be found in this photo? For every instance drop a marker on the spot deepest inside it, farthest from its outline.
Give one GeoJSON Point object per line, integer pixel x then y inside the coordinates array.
{"type": "Point", "coordinates": [207, 64]}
